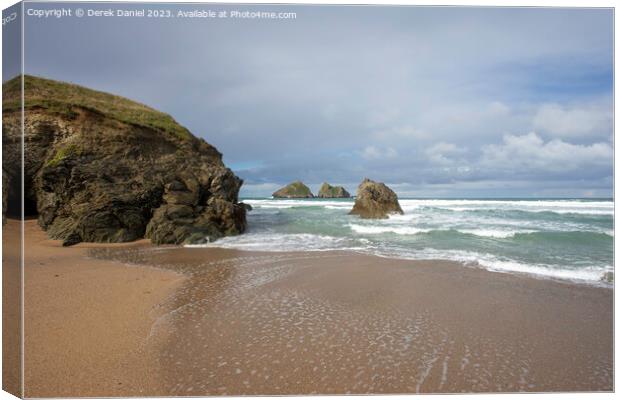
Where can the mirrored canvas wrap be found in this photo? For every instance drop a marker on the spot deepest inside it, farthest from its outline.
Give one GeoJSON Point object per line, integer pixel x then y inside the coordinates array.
{"type": "Point", "coordinates": [243, 199]}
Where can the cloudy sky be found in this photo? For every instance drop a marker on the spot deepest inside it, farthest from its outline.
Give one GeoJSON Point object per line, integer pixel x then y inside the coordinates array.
{"type": "Point", "coordinates": [436, 102]}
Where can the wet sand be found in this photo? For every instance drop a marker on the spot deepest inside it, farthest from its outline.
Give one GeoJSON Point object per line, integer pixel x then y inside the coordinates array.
{"type": "Point", "coordinates": [333, 322]}
{"type": "Point", "coordinates": [123, 320]}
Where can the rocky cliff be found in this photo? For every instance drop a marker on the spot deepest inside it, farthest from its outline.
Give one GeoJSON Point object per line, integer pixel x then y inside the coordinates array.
{"type": "Point", "coordinates": [328, 191]}
{"type": "Point", "coordinates": [101, 168]}
{"type": "Point", "coordinates": [295, 190]}
{"type": "Point", "coordinates": [375, 200]}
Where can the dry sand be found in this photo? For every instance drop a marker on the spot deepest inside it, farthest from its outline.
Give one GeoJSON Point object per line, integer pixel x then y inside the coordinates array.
{"type": "Point", "coordinates": [300, 323]}
{"type": "Point", "coordinates": [87, 321]}
{"type": "Point", "coordinates": [11, 309]}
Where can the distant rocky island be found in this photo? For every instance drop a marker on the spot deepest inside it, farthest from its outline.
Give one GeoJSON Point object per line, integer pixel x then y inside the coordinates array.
{"type": "Point", "coordinates": [375, 200]}
{"type": "Point", "coordinates": [102, 168]}
{"type": "Point", "coordinates": [328, 191]}
{"type": "Point", "coordinates": [298, 190]}
{"type": "Point", "coordinates": [295, 190]}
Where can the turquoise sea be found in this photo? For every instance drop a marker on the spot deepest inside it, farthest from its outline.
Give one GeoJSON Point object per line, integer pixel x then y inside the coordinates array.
{"type": "Point", "coordinates": [565, 239]}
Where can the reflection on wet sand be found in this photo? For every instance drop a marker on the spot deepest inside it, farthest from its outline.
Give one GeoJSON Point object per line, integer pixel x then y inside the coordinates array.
{"type": "Point", "coordinates": [329, 322]}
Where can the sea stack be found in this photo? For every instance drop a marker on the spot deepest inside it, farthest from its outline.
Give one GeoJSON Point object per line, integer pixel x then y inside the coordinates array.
{"type": "Point", "coordinates": [375, 200]}
{"type": "Point", "coordinates": [295, 190]}
{"type": "Point", "coordinates": [328, 191]}
{"type": "Point", "coordinates": [102, 168]}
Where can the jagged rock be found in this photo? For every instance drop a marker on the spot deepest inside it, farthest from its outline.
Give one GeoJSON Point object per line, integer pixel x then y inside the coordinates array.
{"type": "Point", "coordinates": [295, 190]}
{"type": "Point", "coordinates": [247, 207]}
{"type": "Point", "coordinates": [375, 200]}
{"type": "Point", "coordinates": [73, 238]}
{"type": "Point", "coordinates": [101, 168]}
{"type": "Point", "coordinates": [328, 191]}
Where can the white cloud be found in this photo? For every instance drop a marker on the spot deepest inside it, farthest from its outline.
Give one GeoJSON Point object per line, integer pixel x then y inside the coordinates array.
{"type": "Point", "coordinates": [376, 153]}
{"type": "Point", "coordinates": [444, 153]}
{"type": "Point", "coordinates": [560, 121]}
{"type": "Point", "coordinates": [531, 153]}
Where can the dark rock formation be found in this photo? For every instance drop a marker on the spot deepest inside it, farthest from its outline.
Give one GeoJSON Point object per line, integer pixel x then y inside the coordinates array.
{"type": "Point", "coordinates": [375, 200]}
{"type": "Point", "coordinates": [328, 191]}
{"type": "Point", "coordinates": [101, 168]}
{"type": "Point", "coordinates": [296, 190]}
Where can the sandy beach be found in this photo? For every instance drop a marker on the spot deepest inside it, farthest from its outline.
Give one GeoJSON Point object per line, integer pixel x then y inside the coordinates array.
{"type": "Point", "coordinates": [135, 319]}
{"type": "Point", "coordinates": [11, 305]}
{"type": "Point", "coordinates": [87, 322]}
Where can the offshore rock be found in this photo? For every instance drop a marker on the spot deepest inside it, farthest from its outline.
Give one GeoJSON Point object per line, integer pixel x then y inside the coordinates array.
{"type": "Point", "coordinates": [295, 190]}
{"type": "Point", "coordinates": [375, 200]}
{"type": "Point", "coordinates": [328, 191]}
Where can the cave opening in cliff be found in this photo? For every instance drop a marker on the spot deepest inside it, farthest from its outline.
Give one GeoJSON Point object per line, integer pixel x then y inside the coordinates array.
{"type": "Point", "coordinates": [14, 199]}
{"type": "Point", "coordinates": [30, 200]}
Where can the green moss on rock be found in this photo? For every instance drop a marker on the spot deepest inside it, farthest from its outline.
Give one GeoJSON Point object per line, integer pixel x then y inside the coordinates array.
{"type": "Point", "coordinates": [63, 153]}
{"type": "Point", "coordinates": [328, 191]}
{"type": "Point", "coordinates": [295, 190]}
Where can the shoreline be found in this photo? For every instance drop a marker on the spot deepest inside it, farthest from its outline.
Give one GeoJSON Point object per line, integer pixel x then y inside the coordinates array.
{"type": "Point", "coordinates": [241, 322]}
{"type": "Point", "coordinates": [475, 265]}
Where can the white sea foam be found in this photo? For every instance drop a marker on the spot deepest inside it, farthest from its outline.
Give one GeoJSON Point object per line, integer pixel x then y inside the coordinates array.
{"type": "Point", "coordinates": [411, 205]}
{"type": "Point", "coordinates": [556, 206]}
{"type": "Point", "coordinates": [282, 242]}
{"type": "Point", "coordinates": [592, 274]}
{"type": "Point", "coordinates": [309, 242]}
{"type": "Point", "coordinates": [407, 217]}
{"type": "Point", "coordinates": [400, 230]}
{"type": "Point", "coordinates": [494, 233]}
{"type": "Point", "coordinates": [500, 203]}
{"type": "Point", "coordinates": [285, 203]}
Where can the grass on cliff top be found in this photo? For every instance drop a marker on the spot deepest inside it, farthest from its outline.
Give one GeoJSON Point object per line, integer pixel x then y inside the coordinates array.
{"type": "Point", "coordinates": [62, 98]}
